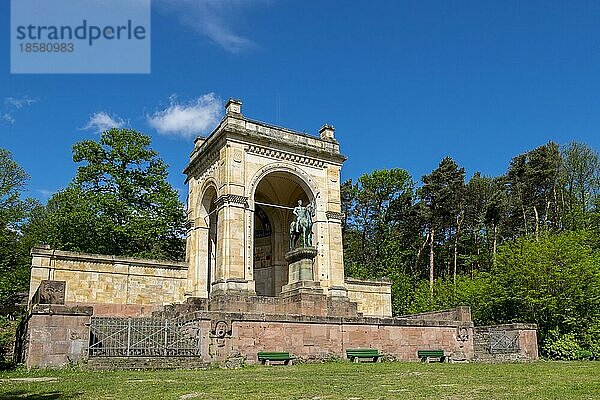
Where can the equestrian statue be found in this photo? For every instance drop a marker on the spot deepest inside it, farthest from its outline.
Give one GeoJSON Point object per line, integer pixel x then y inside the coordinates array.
{"type": "Point", "coordinates": [301, 227]}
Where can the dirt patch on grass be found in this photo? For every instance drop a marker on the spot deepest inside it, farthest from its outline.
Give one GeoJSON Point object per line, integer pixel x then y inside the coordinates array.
{"type": "Point", "coordinates": [190, 396]}
{"type": "Point", "coordinates": [38, 379]}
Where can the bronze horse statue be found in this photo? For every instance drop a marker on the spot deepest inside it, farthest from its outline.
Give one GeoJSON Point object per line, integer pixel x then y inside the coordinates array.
{"type": "Point", "coordinates": [302, 226]}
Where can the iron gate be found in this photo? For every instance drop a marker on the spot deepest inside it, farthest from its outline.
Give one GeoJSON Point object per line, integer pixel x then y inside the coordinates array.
{"type": "Point", "coordinates": [143, 337]}
{"type": "Point", "coordinates": [503, 342]}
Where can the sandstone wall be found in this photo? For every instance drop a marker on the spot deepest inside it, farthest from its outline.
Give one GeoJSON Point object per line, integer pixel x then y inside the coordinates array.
{"type": "Point", "coordinates": [55, 336]}
{"type": "Point", "coordinates": [325, 339]}
{"type": "Point", "coordinates": [460, 313]}
{"type": "Point", "coordinates": [373, 298]}
{"type": "Point", "coordinates": [523, 336]}
{"type": "Point", "coordinates": [58, 335]}
{"type": "Point", "coordinates": [111, 284]}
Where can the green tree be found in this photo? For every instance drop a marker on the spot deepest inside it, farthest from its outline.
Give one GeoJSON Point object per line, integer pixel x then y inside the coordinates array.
{"type": "Point", "coordinates": [484, 206]}
{"type": "Point", "coordinates": [119, 202]}
{"type": "Point", "coordinates": [478, 291]}
{"type": "Point", "coordinates": [581, 175]}
{"type": "Point", "coordinates": [442, 195]}
{"type": "Point", "coordinates": [553, 282]}
{"type": "Point", "coordinates": [13, 214]}
{"type": "Point", "coordinates": [376, 207]}
{"type": "Point", "coordinates": [533, 188]}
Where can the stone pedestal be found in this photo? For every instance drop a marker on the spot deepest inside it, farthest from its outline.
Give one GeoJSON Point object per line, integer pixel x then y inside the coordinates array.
{"type": "Point", "coordinates": [300, 278]}
{"type": "Point", "coordinates": [232, 286]}
{"type": "Point", "coordinates": [338, 292]}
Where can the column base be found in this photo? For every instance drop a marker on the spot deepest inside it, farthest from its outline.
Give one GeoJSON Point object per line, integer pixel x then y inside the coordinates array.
{"type": "Point", "coordinates": [308, 287]}
{"type": "Point", "coordinates": [233, 286]}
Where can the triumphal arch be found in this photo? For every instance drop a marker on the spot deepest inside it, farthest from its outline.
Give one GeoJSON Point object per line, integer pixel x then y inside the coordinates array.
{"type": "Point", "coordinates": [244, 181]}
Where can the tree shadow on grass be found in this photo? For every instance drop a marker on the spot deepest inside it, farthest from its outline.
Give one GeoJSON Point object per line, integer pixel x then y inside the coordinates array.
{"type": "Point", "coordinates": [24, 395]}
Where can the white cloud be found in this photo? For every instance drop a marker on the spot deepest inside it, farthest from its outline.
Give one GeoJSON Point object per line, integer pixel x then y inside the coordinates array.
{"type": "Point", "coordinates": [19, 102]}
{"type": "Point", "coordinates": [189, 119]}
{"type": "Point", "coordinates": [102, 121]}
{"type": "Point", "coordinates": [7, 117]}
{"type": "Point", "coordinates": [46, 194]}
{"type": "Point", "coordinates": [213, 19]}
{"type": "Point", "coordinates": [13, 105]}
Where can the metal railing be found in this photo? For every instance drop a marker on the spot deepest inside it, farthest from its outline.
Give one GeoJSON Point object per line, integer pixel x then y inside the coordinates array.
{"type": "Point", "coordinates": [143, 337]}
{"type": "Point", "coordinates": [503, 342]}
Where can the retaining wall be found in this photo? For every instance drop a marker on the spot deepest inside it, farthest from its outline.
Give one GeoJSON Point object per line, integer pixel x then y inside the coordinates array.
{"type": "Point", "coordinates": [54, 336]}
{"type": "Point", "coordinates": [59, 335]}
{"type": "Point", "coordinates": [373, 298]}
{"type": "Point", "coordinates": [522, 339]}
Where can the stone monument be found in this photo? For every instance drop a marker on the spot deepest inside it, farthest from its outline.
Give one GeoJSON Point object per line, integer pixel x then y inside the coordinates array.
{"type": "Point", "coordinates": [302, 253]}
{"type": "Point", "coordinates": [245, 286]}
{"type": "Point", "coordinates": [250, 184]}
{"type": "Point", "coordinates": [247, 182]}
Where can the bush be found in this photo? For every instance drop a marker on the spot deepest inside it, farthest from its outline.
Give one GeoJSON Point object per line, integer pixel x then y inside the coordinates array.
{"type": "Point", "coordinates": [553, 282]}
{"type": "Point", "coordinates": [566, 347]}
{"type": "Point", "coordinates": [478, 292]}
{"type": "Point", "coordinates": [561, 347]}
{"type": "Point", "coordinates": [8, 331]}
{"type": "Point", "coordinates": [590, 340]}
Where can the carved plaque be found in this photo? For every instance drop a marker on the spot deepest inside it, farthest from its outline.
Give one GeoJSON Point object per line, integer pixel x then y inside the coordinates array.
{"type": "Point", "coordinates": [52, 292]}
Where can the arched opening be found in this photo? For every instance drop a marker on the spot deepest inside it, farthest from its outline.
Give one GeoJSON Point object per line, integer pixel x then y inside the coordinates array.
{"type": "Point", "coordinates": [208, 211]}
{"type": "Point", "coordinates": [276, 195]}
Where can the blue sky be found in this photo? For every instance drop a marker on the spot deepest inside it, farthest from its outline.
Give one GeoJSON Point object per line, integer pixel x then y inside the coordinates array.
{"type": "Point", "coordinates": [405, 83]}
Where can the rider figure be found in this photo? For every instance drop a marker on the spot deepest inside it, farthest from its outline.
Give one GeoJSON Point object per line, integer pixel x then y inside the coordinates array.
{"type": "Point", "coordinates": [302, 226]}
{"type": "Point", "coordinates": [299, 212]}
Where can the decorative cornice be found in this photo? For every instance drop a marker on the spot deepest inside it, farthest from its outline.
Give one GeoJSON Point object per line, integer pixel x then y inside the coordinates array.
{"type": "Point", "coordinates": [203, 165]}
{"type": "Point", "coordinates": [207, 172]}
{"type": "Point", "coordinates": [103, 259]}
{"type": "Point", "coordinates": [282, 155]}
{"type": "Point", "coordinates": [231, 198]}
{"type": "Point", "coordinates": [335, 215]}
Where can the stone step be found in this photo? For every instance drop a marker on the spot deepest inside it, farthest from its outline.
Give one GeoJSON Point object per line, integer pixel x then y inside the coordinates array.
{"type": "Point", "coordinates": [127, 363]}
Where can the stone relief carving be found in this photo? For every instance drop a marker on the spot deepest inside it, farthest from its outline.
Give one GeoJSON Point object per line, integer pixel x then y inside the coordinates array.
{"type": "Point", "coordinates": [334, 215]}
{"type": "Point", "coordinates": [206, 166]}
{"type": "Point", "coordinates": [231, 198]}
{"type": "Point", "coordinates": [462, 334]}
{"type": "Point", "coordinates": [220, 332]}
{"type": "Point", "coordinates": [238, 156]}
{"type": "Point", "coordinates": [207, 173]}
{"type": "Point", "coordinates": [281, 155]}
{"type": "Point", "coordinates": [51, 292]}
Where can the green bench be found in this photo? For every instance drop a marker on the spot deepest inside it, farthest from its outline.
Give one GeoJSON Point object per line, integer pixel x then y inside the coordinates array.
{"type": "Point", "coordinates": [432, 355]}
{"type": "Point", "coordinates": [266, 357]}
{"type": "Point", "coordinates": [356, 354]}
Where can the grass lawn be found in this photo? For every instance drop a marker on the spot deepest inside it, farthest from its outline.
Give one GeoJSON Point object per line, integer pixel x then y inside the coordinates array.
{"type": "Point", "coordinates": [336, 380]}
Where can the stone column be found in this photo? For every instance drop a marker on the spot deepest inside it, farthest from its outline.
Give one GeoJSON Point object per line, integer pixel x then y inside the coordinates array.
{"type": "Point", "coordinates": [336, 255]}
{"type": "Point", "coordinates": [334, 219]}
{"type": "Point", "coordinates": [230, 273]}
{"type": "Point", "coordinates": [197, 247]}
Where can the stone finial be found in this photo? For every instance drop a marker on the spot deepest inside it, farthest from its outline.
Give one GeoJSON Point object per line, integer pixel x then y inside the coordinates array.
{"type": "Point", "coordinates": [233, 107]}
{"type": "Point", "coordinates": [199, 141]}
{"type": "Point", "coordinates": [326, 132]}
